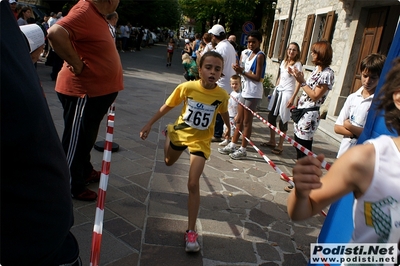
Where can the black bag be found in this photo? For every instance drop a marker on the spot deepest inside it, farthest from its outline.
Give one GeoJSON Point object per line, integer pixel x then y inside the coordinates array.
{"type": "Point", "coordinates": [297, 114]}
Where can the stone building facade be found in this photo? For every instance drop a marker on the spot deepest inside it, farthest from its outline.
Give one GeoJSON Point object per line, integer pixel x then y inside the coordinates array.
{"type": "Point", "coordinates": [355, 29]}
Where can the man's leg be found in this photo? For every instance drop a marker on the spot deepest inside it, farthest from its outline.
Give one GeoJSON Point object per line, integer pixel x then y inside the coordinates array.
{"type": "Point", "coordinates": [78, 139]}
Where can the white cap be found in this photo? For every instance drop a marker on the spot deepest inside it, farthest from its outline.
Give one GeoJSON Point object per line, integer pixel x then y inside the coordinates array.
{"type": "Point", "coordinates": [187, 41]}
{"type": "Point", "coordinates": [12, 1]}
{"type": "Point", "coordinates": [217, 30]}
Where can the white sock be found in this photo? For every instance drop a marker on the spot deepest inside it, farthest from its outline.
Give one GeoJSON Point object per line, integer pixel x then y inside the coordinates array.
{"type": "Point", "coordinates": [242, 149]}
{"type": "Point", "coordinates": [231, 145]}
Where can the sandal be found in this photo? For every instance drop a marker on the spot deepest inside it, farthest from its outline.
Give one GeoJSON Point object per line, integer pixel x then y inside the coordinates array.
{"type": "Point", "coordinates": [288, 188]}
{"type": "Point", "coordinates": [277, 151]}
{"type": "Point", "coordinates": [267, 144]}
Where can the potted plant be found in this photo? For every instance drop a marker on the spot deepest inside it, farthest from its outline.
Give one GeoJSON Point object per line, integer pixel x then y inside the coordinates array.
{"type": "Point", "coordinates": [267, 84]}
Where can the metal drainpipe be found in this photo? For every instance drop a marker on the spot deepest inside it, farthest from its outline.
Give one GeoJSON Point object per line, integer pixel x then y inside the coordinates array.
{"type": "Point", "coordinates": [287, 31]}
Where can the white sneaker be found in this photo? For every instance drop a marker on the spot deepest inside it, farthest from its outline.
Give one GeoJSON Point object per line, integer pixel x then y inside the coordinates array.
{"type": "Point", "coordinates": [238, 154]}
{"type": "Point", "coordinates": [224, 143]}
{"type": "Point", "coordinates": [227, 150]}
{"type": "Point", "coordinates": [191, 241]}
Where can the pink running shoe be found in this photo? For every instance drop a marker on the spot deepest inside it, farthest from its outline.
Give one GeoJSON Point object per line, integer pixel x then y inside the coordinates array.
{"type": "Point", "coordinates": [191, 241]}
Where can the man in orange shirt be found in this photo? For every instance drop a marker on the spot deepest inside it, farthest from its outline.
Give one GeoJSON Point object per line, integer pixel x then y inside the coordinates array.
{"type": "Point", "coordinates": [87, 84]}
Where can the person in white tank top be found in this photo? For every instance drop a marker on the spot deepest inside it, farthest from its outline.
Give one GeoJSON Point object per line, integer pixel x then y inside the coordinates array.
{"type": "Point", "coordinates": [252, 74]}
{"type": "Point", "coordinates": [370, 171]}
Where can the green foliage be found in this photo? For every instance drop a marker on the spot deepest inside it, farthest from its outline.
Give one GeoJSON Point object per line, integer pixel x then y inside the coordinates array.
{"type": "Point", "coordinates": [229, 13]}
{"type": "Point", "coordinates": [267, 82]}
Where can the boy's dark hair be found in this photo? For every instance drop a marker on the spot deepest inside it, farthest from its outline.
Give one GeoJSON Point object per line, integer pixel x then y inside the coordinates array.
{"type": "Point", "coordinates": [386, 103]}
{"type": "Point", "coordinates": [373, 63]}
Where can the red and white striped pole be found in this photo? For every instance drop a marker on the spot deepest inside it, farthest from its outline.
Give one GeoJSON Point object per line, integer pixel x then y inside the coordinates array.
{"type": "Point", "coordinates": [105, 171]}
{"type": "Point", "coordinates": [297, 145]}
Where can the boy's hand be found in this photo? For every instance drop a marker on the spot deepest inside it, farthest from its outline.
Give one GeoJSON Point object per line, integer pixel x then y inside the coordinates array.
{"type": "Point", "coordinates": [145, 132]}
{"type": "Point", "coordinates": [306, 175]}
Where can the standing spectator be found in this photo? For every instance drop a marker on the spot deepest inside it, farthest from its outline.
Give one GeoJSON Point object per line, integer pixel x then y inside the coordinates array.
{"type": "Point", "coordinates": [139, 38]}
{"type": "Point", "coordinates": [54, 59]}
{"type": "Point", "coordinates": [112, 20]}
{"type": "Point", "coordinates": [124, 37]}
{"type": "Point", "coordinates": [129, 33]}
{"type": "Point", "coordinates": [208, 47]}
{"type": "Point", "coordinates": [283, 96]}
{"type": "Point", "coordinates": [223, 47]}
{"type": "Point", "coordinates": [45, 25]}
{"type": "Point", "coordinates": [170, 51]}
{"type": "Point", "coordinates": [232, 108]}
{"type": "Point", "coordinates": [204, 98]}
{"type": "Point", "coordinates": [232, 40]}
{"type": "Point", "coordinates": [351, 120]}
{"type": "Point", "coordinates": [87, 84]}
{"type": "Point", "coordinates": [253, 73]}
{"type": "Point", "coordinates": [315, 91]}
{"type": "Point", "coordinates": [190, 67]}
{"type": "Point", "coordinates": [36, 207]}
{"type": "Point", "coordinates": [196, 45]}
{"type": "Point", "coordinates": [24, 15]}
{"type": "Point", "coordinates": [59, 16]}
{"type": "Point", "coordinates": [187, 48]}
{"type": "Point", "coordinates": [52, 19]}
{"type": "Point", "coordinates": [13, 5]}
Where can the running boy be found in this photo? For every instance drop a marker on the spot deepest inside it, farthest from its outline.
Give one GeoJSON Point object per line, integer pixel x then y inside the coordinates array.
{"type": "Point", "coordinates": [232, 106]}
{"type": "Point", "coordinates": [202, 100]}
{"type": "Point", "coordinates": [351, 120]}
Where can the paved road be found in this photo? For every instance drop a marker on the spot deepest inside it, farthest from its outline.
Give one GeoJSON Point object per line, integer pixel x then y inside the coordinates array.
{"type": "Point", "coordinates": [242, 218]}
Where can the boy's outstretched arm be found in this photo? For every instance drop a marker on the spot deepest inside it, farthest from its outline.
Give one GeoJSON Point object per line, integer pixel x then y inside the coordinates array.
{"type": "Point", "coordinates": [145, 131]}
{"type": "Point", "coordinates": [306, 175]}
{"type": "Point", "coordinates": [225, 117]}
{"type": "Point", "coordinates": [352, 172]}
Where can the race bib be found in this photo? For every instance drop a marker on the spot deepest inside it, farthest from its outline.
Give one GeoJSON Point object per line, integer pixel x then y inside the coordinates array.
{"type": "Point", "coordinates": [198, 115]}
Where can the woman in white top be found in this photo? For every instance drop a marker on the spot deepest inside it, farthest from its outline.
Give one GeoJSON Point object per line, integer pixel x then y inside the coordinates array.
{"type": "Point", "coordinates": [252, 73]}
{"type": "Point", "coordinates": [370, 171]}
{"type": "Point", "coordinates": [283, 96]}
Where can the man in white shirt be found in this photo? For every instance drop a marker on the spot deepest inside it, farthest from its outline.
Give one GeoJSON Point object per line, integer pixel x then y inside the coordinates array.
{"type": "Point", "coordinates": [52, 20]}
{"type": "Point", "coordinates": [225, 48]}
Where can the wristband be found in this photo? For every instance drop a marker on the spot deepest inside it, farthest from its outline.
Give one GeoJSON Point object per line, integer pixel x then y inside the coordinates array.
{"type": "Point", "coordinates": [303, 84]}
{"type": "Point", "coordinates": [243, 72]}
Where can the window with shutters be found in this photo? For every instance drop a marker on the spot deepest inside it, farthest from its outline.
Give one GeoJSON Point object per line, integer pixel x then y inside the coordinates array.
{"type": "Point", "coordinates": [318, 27]}
{"type": "Point", "coordinates": [277, 38]}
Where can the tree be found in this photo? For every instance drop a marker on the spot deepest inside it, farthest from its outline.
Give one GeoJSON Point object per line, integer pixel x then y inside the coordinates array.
{"type": "Point", "coordinates": [229, 13]}
{"type": "Point", "coordinates": [149, 13]}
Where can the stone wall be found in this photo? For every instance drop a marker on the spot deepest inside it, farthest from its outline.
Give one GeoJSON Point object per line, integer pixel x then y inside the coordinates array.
{"type": "Point", "coordinates": [347, 37]}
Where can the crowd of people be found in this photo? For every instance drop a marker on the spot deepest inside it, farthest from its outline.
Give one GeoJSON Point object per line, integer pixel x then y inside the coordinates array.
{"type": "Point", "coordinates": [223, 89]}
